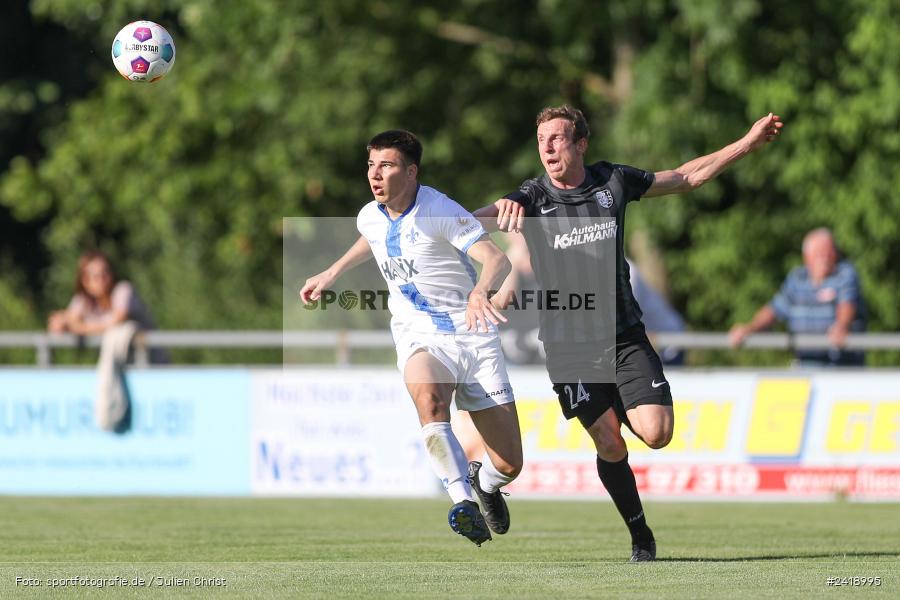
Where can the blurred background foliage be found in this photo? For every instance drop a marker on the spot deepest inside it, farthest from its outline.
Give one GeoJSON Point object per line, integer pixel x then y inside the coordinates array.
{"type": "Point", "coordinates": [269, 106]}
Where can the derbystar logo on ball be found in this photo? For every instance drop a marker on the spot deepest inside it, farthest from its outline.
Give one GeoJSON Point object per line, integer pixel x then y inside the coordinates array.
{"type": "Point", "coordinates": [143, 51]}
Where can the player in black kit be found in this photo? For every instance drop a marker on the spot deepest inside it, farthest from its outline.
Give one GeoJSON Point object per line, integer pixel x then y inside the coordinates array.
{"type": "Point", "coordinates": [575, 236]}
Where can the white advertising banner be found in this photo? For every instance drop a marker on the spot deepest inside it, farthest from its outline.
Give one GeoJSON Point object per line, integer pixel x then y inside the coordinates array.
{"type": "Point", "coordinates": [738, 434]}
{"type": "Point", "coordinates": [332, 432]}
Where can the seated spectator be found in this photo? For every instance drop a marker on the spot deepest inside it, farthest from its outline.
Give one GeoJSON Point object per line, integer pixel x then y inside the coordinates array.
{"type": "Point", "coordinates": [822, 296]}
{"type": "Point", "coordinates": [103, 305]}
{"type": "Point", "coordinates": [100, 301]}
{"type": "Point", "coordinates": [659, 316]}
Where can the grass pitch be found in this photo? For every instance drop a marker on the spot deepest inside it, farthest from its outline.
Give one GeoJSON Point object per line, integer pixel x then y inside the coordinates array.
{"type": "Point", "coordinates": [272, 548]}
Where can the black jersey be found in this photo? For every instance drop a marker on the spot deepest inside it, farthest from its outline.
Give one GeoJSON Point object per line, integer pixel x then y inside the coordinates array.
{"type": "Point", "coordinates": [575, 238]}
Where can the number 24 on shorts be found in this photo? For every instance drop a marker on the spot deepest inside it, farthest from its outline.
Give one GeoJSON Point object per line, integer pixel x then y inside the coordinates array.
{"type": "Point", "coordinates": [578, 396]}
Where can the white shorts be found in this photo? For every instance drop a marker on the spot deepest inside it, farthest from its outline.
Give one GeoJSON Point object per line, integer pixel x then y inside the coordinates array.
{"type": "Point", "coordinates": [474, 360]}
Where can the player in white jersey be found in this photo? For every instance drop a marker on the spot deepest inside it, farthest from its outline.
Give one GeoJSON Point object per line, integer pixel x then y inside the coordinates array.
{"type": "Point", "coordinates": [443, 325]}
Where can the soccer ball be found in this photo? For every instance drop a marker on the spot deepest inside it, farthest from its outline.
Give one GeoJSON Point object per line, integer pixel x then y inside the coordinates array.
{"type": "Point", "coordinates": [143, 51]}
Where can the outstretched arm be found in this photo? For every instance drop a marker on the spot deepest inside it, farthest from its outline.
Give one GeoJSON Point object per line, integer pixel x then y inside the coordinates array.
{"type": "Point", "coordinates": [763, 319]}
{"type": "Point", "coordinates": [358, 253]}
{"type": "Point", "coordinates": [487, 216]}
{"type": "Point", "coordinates": [695, 173]}
{"type": "Point", "coordinates": [503, 215]}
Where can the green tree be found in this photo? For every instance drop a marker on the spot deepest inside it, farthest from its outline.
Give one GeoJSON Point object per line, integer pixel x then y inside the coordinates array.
{"type": "Point", "coordinates": [269, 106]}
{"type": "Point", "coordinates": [831, 70]}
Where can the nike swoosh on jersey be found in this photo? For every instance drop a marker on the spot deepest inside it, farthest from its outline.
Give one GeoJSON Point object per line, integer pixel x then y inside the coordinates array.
{"type": "Point", "coordinates": [653, 383]}
{"type": "Point", "coordinates": [544, 212]}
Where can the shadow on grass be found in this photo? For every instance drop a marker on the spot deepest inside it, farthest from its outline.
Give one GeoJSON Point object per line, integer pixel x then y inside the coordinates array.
{"type": "Point", "coordinates": [834, 555]}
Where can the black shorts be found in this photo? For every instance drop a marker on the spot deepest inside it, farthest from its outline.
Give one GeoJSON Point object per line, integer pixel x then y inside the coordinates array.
{"type": "Point", "coordinates": [577, 369]}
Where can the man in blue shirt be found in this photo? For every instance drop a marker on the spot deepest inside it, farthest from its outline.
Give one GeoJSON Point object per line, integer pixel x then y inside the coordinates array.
{"type": "Point", "coordinates": [822, 296]}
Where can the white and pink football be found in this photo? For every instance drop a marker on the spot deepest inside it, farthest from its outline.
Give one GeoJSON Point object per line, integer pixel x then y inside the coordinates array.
{"type": "Point", "coordinates": [143, 51]}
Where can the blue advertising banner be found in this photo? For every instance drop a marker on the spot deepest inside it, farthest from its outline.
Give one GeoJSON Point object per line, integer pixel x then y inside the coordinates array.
{"type": "Point", "coordinates": [189, 434]}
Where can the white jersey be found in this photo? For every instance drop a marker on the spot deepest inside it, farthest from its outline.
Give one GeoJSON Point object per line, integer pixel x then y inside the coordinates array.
{"type": "Point", "coordinates": [422, 256]}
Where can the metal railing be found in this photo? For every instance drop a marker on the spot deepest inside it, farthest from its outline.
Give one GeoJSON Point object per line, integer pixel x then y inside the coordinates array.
{"type": "Point", "coordinates": [343, 342]}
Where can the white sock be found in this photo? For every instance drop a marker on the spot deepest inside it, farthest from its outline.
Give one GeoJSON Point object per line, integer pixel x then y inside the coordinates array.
{"type": "Point", "coordinates": [489, 478]}
{"type": "Point", "coordinates": [448, 460]}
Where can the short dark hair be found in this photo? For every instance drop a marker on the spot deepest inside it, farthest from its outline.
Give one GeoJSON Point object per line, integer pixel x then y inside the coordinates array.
{"type": "Point", "coordinates": [569, 113]}
{"type": "Point", "coordinates": [399, 139]}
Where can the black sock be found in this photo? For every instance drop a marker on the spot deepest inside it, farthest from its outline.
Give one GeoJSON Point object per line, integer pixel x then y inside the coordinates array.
{"type": "Point", "coordinates": [618, 478]}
